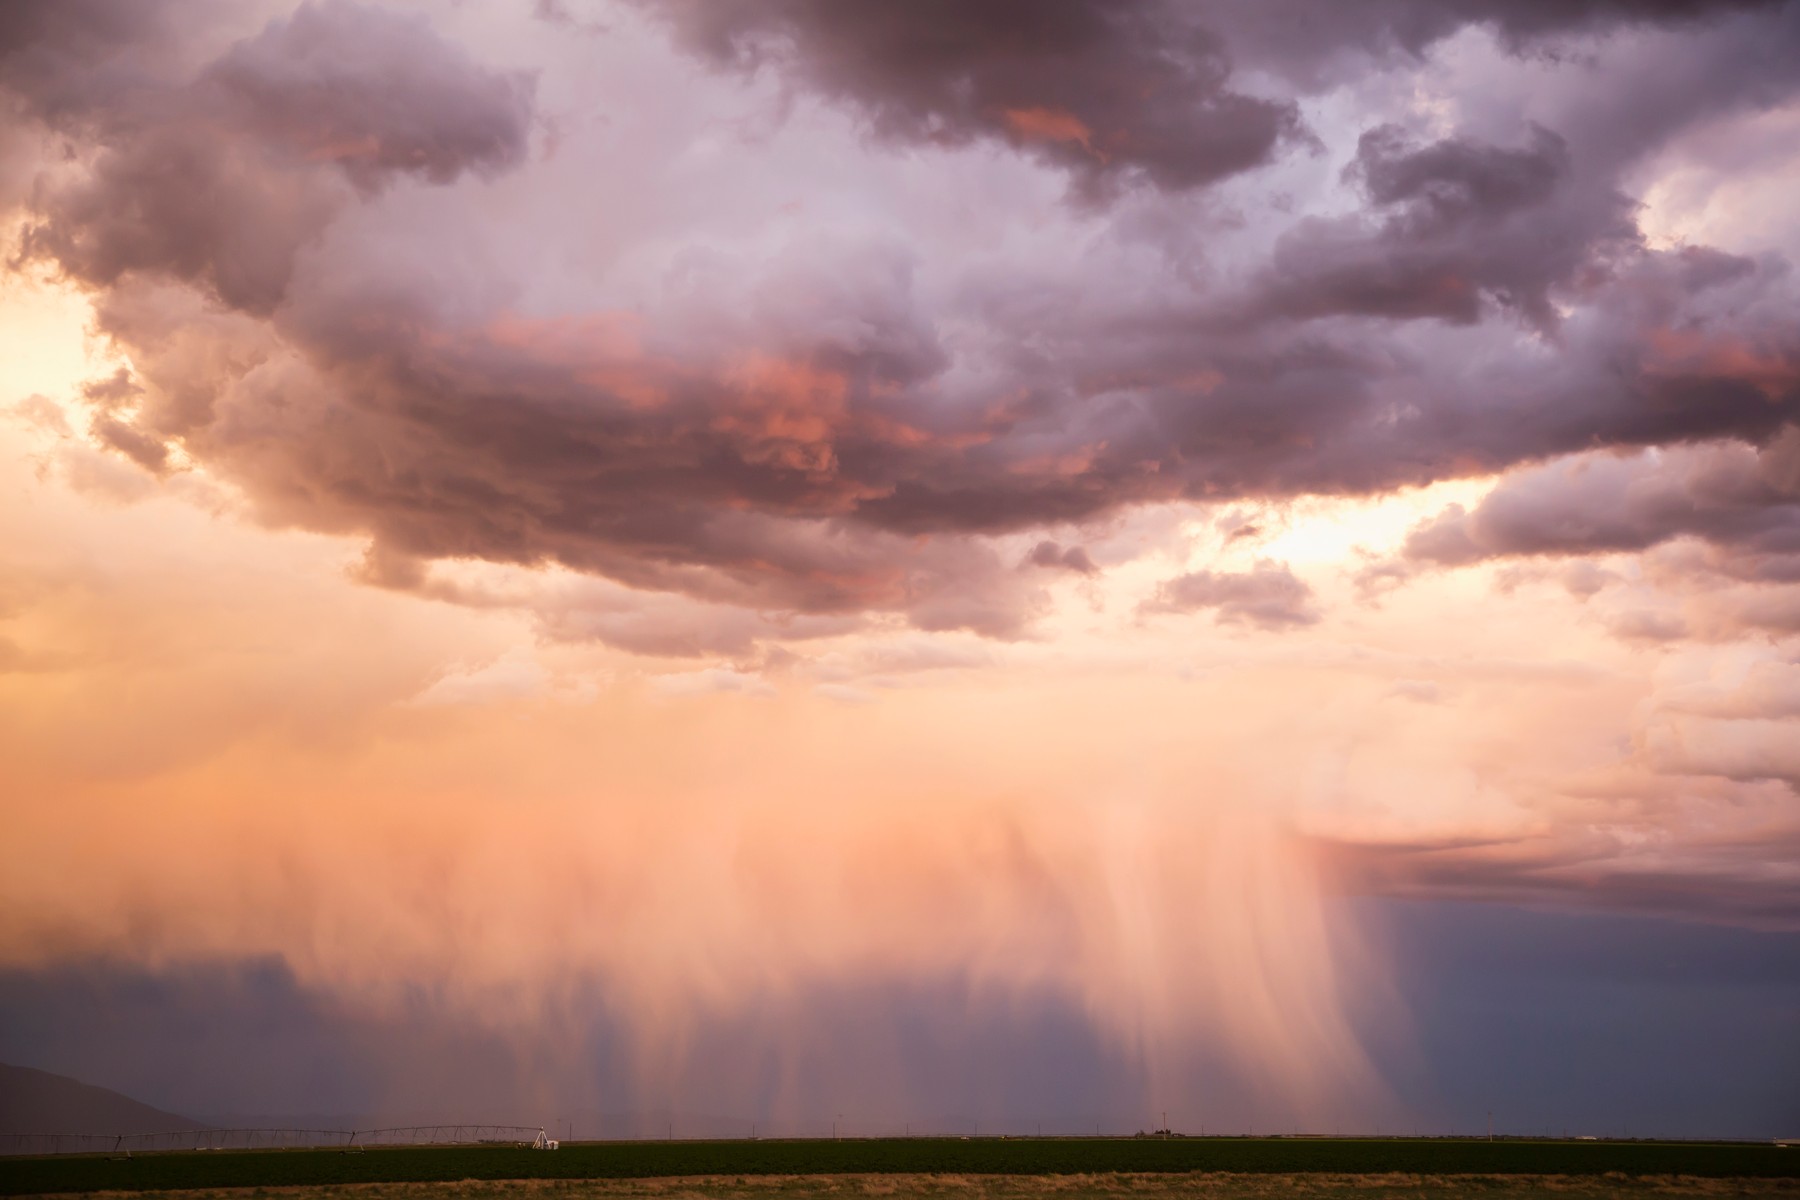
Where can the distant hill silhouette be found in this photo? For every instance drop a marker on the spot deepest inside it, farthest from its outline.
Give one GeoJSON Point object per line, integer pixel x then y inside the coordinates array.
{"type": "Point", "coordinates": [33, 1101]}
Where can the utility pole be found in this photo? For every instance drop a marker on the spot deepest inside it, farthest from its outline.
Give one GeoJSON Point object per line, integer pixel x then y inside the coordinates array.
{"type": "Point", "coordinates": [1490, 1126]}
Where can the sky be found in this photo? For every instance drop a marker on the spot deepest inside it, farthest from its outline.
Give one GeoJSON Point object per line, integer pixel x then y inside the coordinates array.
{"type": "Point", "coordinates": [1064, 562]}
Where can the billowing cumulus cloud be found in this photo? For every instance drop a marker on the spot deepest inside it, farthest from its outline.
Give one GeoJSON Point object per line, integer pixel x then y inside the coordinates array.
{"type": "Point", "coordinates": [1469, 225]}
{"type": "Point", "coordinates": [1108, 92]}
{"type": "Point", "coordinates": [219, 178]}
{"type": "Point", "coordinates": [839, 429]}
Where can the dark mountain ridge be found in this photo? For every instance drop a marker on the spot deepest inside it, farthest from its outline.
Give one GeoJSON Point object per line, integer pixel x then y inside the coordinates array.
{"type": "Point", "coordinates": [33, 1101]}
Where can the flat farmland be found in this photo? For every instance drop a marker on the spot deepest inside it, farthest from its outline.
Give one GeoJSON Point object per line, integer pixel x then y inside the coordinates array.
{"type": "Point", "coordinates": [1161, 1186]}
{"type": "Point", "coordinates": [765, 1168]}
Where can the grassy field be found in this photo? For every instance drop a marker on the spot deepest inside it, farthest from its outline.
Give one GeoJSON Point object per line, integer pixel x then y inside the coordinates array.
{"type": "Point", "coordinates": [915, 1157]}
{"type": "Point", "coordinates": [1166, 1186]}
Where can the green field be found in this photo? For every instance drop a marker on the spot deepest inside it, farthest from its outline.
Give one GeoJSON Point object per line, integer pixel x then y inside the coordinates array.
{"type": "Point", "coordinates": [1202, 1186]}
{"type": "Point", "coordinates": [912, 1156]}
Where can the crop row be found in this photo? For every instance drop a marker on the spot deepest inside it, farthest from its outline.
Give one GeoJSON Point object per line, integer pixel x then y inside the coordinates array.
{"type": "Point", "coordinates": [1027, 1156]}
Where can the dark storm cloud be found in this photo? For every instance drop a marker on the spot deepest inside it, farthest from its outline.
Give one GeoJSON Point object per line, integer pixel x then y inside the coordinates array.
{"type": "Point", "coordinates": [221, 179]}
{"type": "Point", "coordinates": [1530, 18]}
{"type": "Point", "coordinates": [1308, 40]}
{"type": "Point", "coordinates": [1668, 347]}
{"type": "Point", "coordinates": [373, 93]}
{"type": "Point", "coordinates": [1268, 596]}
{"type": "Point", "coordinates": [1121, 88]}
{"type": "Point", "coordinates": [65, 58]}
{"type": "Point", "coordinates": [815, 433]}
{"type": "Point", "coordinates": [1465, 224]}
{"type": "Point", "coordinates": [1108, 90]}
{"type": "Point", "coordinates": [1738, 498]}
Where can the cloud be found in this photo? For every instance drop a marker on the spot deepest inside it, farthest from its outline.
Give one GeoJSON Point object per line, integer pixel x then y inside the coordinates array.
{"type": "Point", "coordinates": [1268, 596]}
{"type": "Point", "coordinates": [514, 676]}
{"type": "Point", "coordinates": [712, 680]}
{"type": "Point", "coordinates": [1704, 539]}
{"type": "Point", "coordinates": [334, 267]}
{"type": "Point", "coordinates": [1317, 45]}
{"type": "Point", "coordinates": [844, 693]}
{"type": "Point", "coordinates": [1732, 880]}
{"type": "Point", "coordinates": [1111, 93]}
{"type": "Point", "coordinates": [1745, 750]}
{"type": "Point", "coordinates": [373, 93]}
{"type": "Point", "coordinates": [1737, 497]}
{"type": "Point", "coordinates": [1050, 554]}
{"type": "Point", "coordinates": [1584, 579]}
{"type": "Point", "coordinates": [1423, 691]}
{"type": "Point", "coordinates": [1754, 683]}
{"type": "Point", "coordinates": [1466, 225]}
{"type": "Point", "coordinates": [907, 655]}
{"type": "Point", "coordinates": [222, 178]}
{"type": "Point", "coordinates": [1646, 625]}
{"type": "Point", "coordinates": [668, 626]}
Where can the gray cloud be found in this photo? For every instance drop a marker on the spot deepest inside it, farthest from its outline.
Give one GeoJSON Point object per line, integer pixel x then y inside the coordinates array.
{"type": "Point", "coordinates": [1730, 494]}
{"type": "Point", "coordinates": [1060, 558]}
{"type": "Point", "coordinates": [1727, 879]}
{"type": "Point", "coordinates": [1108, 90]}
{"type": "Point", "coordinates": [831, 428]}
{"type": "Point", "coordinates": [675, 628]}
{"type": "Point", "coordinates": [1112, 92]}
{"type": "Point", "coordinates": [1315, 43]}
{"type": "Point", "coordinates": [1268, 596]}
{"type": "Point", "coordinates": [1467, 224]}
{"type": "Point", "coordinates": [373, 93]}
{"type": "Point", "coordinates": [221, 179]}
